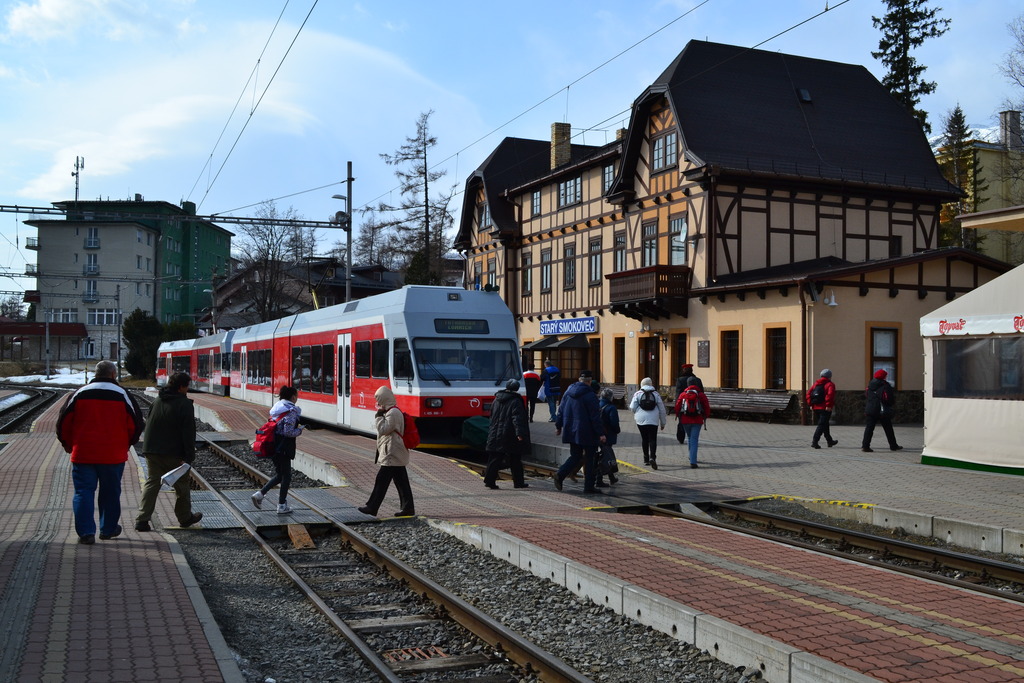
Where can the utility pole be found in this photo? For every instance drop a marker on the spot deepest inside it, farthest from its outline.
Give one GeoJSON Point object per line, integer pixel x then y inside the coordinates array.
{"type": "Point", "coordinates": [348, 246]}
{"type": "Point", "coordinates": [344, 220]}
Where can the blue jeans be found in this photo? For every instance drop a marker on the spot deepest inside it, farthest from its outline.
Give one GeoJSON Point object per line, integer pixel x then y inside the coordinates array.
{"type": "Point", "coordinates": [588, 456]}
{"type": "Point", "coordinates": [86, 477]}
{"type": "Point", "coordinates": [692, 437]}
{"type": "Point", "coordinates": [552, 405]}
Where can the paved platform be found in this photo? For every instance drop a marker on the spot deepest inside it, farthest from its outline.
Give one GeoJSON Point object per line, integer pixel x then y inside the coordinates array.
{"type": "Point", "coordinates": [73, 612]}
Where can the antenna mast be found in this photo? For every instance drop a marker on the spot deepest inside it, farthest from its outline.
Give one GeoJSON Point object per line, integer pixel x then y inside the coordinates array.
{"type": "Point", "coordinates": [79, 167]}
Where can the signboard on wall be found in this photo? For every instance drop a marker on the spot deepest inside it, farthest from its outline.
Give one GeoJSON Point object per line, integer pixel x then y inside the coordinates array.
{"type": "Point", "coordinates": [704, 354]}
{"type": "Point", "coordinates": [569, 326]}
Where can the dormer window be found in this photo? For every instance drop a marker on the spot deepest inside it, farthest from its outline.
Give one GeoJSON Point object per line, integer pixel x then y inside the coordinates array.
{"type": "Point", "coordinates": [665, 151]}
{"type": "Point", "coordinates": [485, 216]}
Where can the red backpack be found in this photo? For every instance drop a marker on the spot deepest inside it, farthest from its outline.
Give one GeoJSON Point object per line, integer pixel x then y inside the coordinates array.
{"type": "Point", "coordinates": [411, 435]}
{"type": "Point", "coordinates": [263, 446]}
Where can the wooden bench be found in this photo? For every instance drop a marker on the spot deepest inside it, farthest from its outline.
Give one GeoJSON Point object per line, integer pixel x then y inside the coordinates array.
{"type": "Point", "coordinates": [739, 403]}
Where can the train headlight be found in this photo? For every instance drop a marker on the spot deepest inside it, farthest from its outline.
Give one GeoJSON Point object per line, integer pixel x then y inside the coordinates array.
{"type": "Point", "coordinates": [434, 402]}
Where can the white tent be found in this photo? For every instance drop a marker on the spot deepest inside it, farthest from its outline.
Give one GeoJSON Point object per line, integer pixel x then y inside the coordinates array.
{"type": "Point", "coordinates": [974, 377]}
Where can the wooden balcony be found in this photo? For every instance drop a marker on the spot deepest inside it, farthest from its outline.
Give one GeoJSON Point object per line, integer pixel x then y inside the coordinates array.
{"type": "Point", "coordinates": [651, 292]}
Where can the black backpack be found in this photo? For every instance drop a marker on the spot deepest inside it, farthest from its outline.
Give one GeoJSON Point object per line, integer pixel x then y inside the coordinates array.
{"type": "Point", "coordinates": [818, 395]}
{"type": "Point", "coordinates": [647, 401]}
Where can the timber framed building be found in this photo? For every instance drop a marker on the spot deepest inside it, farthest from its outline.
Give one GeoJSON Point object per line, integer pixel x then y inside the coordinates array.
{"type": "Point", "coordinates": [763, 216]}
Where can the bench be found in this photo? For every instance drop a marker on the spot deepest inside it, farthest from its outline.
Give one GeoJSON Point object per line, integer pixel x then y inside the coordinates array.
{"type": "Point", "coordinates": [622, 392]}
{"type": "Point", "coordinates": [739, 403]}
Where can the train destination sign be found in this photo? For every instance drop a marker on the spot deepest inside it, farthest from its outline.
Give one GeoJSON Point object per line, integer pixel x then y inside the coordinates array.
{"type": "Point", "coordinates": [452, 326]}
{"type": "Point", "coordinates": [569, 326]}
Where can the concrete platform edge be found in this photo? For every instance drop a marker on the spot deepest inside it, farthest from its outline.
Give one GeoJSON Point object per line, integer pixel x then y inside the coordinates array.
{"type": "Point", "coordinates": [734, 645]}
{"type": "Point", "coordinates": [224, 655]}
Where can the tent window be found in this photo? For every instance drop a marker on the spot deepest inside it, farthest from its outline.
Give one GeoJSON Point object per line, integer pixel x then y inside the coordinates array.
{"type": "Point", "coordinates": [979, 368]}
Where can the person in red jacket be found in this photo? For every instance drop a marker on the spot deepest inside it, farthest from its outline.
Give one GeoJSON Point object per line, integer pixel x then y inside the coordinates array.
{"type": "Point", "coordinates": [692, 411]}
{"type": "Point", "coordinates": [822, 399]}
{"type": "Point", "coordinates": [97, 426]}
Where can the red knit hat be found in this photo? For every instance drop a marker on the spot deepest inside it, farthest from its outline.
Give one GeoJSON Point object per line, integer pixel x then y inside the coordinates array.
{"type": "Point", "coordinates": [881, 374]}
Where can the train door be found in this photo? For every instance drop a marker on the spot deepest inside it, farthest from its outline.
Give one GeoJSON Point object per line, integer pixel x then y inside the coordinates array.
{"type": "Point", "coordinates": [344, 383]}
{"type": "Point", "coordinates": [243, 374]}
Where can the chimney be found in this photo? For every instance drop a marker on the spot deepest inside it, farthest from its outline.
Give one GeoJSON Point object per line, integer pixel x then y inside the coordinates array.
{"type": "Point", "coordinates": [620, 134]}
{"type": "Point", "coordinates": [1009, 130]}
{"type": "Point", "coordinates": [561, 144]}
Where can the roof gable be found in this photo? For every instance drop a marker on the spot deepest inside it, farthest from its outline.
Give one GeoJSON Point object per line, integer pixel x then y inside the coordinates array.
{"type": "Point", "coordinates": [752, 111]}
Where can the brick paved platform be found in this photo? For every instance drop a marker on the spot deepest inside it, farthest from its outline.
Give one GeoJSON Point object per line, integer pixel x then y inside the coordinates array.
{"type": "Point", "coordinates": [73, 612]}
{"type": "Point", "coordinates": [127, 609]}
{"type": "Point", "coordinates": [795, 615]}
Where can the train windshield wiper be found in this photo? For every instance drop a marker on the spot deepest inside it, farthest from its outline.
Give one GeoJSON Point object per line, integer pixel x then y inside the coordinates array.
{"type": "Point", "coordinates": [437, 372]}
{"type": "Point", "coordinates": [508, 366]}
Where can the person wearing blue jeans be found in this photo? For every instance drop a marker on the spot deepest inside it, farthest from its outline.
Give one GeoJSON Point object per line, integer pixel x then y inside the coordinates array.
{"type": "Point", "coordinates": [97, 425]}
{"type": "Point", "coordinates": [552, 387]}
{"type": "Point", "coordinates": [579, 424]}
{"type": "Point", "coordinates": [692, 410]}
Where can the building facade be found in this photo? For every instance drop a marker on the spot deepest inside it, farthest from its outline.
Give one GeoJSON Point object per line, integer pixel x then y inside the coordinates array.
{"type": "Point", "coordinates": [763, 216]}
{"type": "Point", "coordinates": [108, 258]}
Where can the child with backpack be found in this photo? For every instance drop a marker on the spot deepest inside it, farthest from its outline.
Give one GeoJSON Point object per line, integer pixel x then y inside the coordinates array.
{"type": "Point", "coordinates": [822, 399]}
{"type": "Point", "coordinates": [287, 429]}
{"type": "Point", "coordinates": [610, 419]}
{"type": "Point", "coordinates": [649, 413]}
{"type": "Point", "coordinates": [392, 456]}
{"type": "Point", "coordinates": [692, 410]}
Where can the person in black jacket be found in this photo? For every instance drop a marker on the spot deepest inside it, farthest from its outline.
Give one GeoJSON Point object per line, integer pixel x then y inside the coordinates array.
{"type": "Point", "coordinates": [169, 441]}
{"type": "Point", "coordinates": [881, 399]}
{"type": "Point", "coordinates": [508, 436]}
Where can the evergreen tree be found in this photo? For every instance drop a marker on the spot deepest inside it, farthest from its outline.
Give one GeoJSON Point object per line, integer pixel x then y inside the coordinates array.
{"type": "Point", "coordinates": [906, 25]}
{"type": "Point", "coordinates": [420, 221]}
{"type": "Point", "coordinates": [269, 247]}
{"type": "Point", "coordinates": [958, 160]}
{"type": "Point", "coordinates": [142, 334]}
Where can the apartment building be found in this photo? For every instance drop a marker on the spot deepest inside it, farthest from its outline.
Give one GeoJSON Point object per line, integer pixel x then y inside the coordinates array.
{"type": "Point", "coordinates": [763, 216]}
{"type": "Point", "coordinates": [107, 258]}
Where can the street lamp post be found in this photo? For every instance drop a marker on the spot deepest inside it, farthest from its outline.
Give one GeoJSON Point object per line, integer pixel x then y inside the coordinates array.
{"type": "Point", "coordinates": [213, 308]}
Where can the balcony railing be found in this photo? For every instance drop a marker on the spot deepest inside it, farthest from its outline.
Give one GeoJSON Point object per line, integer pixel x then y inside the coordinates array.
{"type": "Point", "coordinates": [90, 297]}
{"type": "Point", "coordinates": [92, 243]}
{"type": "Point", "coordinates": [90, 269]}
{"type": "Point", "coordinates": [31, 269]}
{"type": "Point", "coordinates": [32, 243]}
{"type": "Point", "coordinates": [652, 282]}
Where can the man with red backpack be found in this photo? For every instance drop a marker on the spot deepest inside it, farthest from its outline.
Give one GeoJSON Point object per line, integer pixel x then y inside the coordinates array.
{"type": "Point", "coordinates": [692, 410]}
{"type": "Point", "coordinates": [878, 409]}
{"type": "Point", "coordinates": [822, 399]}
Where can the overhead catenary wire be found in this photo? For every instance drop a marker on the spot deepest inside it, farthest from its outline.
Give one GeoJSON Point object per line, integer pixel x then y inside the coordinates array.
{"type": "Point", "coordinates": [257, 103]}
{"type": "Point", "coordinates": [592, 127]}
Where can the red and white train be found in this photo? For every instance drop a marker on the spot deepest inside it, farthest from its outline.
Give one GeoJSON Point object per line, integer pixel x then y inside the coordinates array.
{"type": "Point", "coordinates": [443, 351]}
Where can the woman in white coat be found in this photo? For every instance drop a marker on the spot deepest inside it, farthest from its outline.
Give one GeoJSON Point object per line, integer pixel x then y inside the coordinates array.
{"type": "Point", "coordinates": [650, 414]}
{"type": "Point", "coordinates": [392, 456]}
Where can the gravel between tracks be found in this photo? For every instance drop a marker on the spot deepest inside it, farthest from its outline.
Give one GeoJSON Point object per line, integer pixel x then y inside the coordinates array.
{"type": "Point", "coordinates": [276, 635]}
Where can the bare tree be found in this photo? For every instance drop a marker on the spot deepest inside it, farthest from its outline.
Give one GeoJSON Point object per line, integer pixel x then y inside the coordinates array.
{"type": "Point", "coordinates": [269, 251]}
{"type": "Point", "coordinates": [12, 307]}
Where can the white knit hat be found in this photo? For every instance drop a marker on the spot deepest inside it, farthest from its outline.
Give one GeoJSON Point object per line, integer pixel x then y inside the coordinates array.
{"type": "Point", "coordinates": [646, 382]}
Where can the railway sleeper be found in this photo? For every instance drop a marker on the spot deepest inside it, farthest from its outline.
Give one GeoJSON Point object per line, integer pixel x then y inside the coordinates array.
{"type": "Point", "coordinates": [388, 623]}
{"type": "Point", "coordinates": [444, 663]}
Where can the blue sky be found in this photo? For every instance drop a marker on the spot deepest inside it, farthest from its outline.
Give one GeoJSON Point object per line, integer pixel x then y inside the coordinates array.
{"type": "Point", "coordinates": [143, 89]}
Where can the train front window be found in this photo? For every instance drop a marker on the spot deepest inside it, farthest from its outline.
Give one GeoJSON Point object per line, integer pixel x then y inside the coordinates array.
{"type": "Point", "coordinates": [403, 359]}
{"type": "Point", "coordinates": [451, 360]}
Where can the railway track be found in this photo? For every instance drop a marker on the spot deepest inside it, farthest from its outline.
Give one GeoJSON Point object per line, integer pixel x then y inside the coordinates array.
{"type": "Point", "coordinates": [400, 622]}
{"type": "Point", "coordinates": [18, 413]}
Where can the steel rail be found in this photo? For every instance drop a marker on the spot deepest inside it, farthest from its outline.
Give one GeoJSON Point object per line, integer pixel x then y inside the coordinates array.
{"type": "Point", "coordinates": [368, 654]}
{"type": "Point", "coordinates": [518, 649]}
{"type": "Point", "coordinates": [885, 546]}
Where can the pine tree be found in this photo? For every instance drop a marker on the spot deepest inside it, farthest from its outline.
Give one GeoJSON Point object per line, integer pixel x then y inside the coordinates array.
{"type": "Point", "coordinates": [958, 160]}
{"type": "Point", "coordinates": [419, 222]}
{"type": "Point", "coordinates": [906, 25]}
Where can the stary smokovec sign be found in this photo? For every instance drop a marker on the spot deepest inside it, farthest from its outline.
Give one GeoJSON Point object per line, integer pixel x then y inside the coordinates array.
{"type": "Point", "coordinates": [569, 326]}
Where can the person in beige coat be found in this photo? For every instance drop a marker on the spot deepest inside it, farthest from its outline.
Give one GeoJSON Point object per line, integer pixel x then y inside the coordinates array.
{"type": "Point", "coordinates": [392, 457]}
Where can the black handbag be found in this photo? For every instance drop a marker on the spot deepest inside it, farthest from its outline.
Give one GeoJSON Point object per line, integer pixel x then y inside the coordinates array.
{"type": "Point", "coordinates": [680, 432]}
